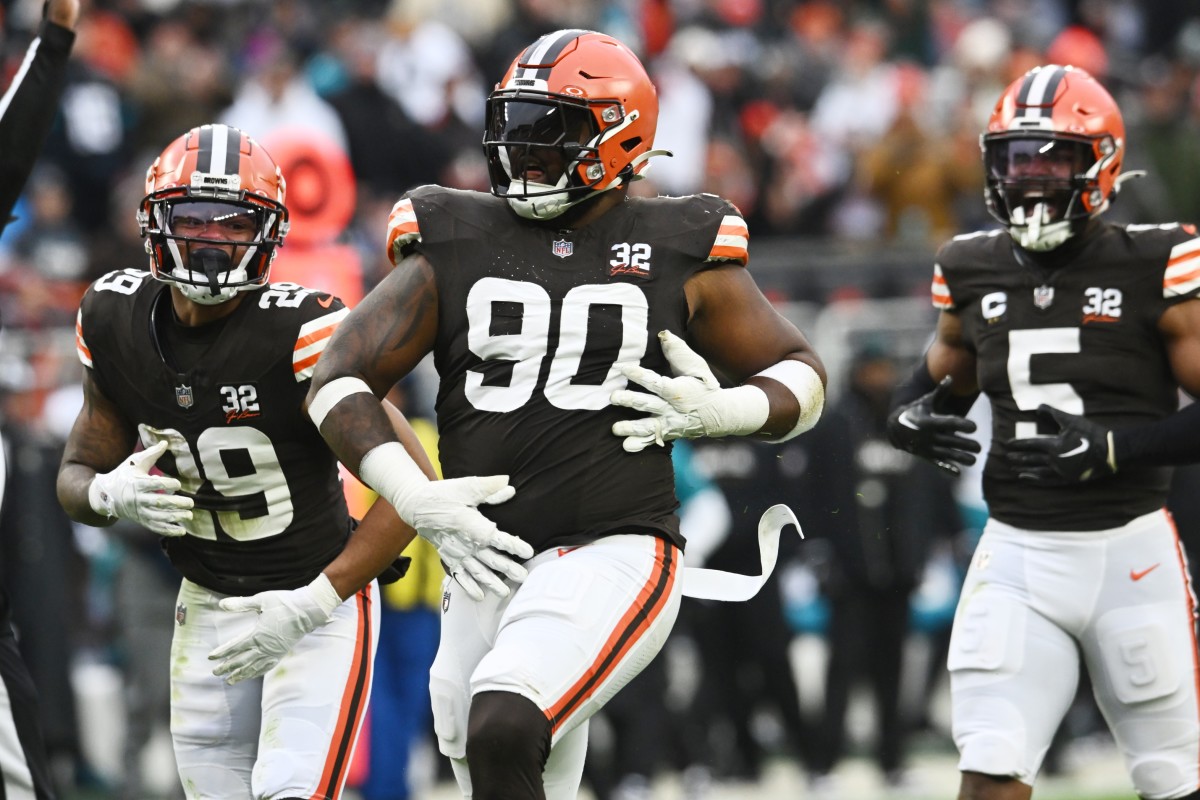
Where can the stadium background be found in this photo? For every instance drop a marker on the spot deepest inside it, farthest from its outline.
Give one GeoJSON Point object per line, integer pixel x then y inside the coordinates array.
{"type": "Point", "coordinates": [846, 132]}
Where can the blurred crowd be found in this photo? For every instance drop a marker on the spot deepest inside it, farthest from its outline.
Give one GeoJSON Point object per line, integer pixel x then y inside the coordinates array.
{"type": "Point", "coordinates": [852, 125]}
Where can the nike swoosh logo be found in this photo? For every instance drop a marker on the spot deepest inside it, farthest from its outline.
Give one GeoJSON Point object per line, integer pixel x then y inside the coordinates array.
{"type": "Point", "coordinates": [1083, 446]}
{"type": "Point", "coordinates": [906, 422]}
{"type": "Point", "coordinates": [326, 301]}
{"type": "Point", "coordinates": [1134, 575]}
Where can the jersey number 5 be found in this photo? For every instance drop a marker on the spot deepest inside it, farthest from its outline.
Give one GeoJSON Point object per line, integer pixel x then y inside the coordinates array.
{"type": "Point", "coordinates": [529, 346]}
{"type": "Point", "coordinates": [1022, 346]}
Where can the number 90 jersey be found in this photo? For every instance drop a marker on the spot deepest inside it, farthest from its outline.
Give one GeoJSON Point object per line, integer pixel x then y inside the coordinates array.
{"type": "Point", "coordinates": [532, 323]}
{"type": "Point", "coordinates": [1083, 338]}
{"type": "Point", "coordinates": [270, 513]}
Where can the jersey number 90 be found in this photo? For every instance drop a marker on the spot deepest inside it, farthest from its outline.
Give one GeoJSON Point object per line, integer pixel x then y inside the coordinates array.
{"type": "Point", "coordinates": [530, 346]}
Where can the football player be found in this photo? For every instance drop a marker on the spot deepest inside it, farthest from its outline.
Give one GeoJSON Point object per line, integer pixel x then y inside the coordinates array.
{"type": "Point", "coordinates": [194, 426]}
{"type": "Point", "coordinates": [556, 309]}
{"type": "Point", "coordinates": [27, 110]}
{"type": "Point", "coordinates": [1060, 308]}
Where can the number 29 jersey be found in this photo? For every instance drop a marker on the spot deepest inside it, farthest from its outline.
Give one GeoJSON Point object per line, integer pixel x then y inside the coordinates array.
{"type": "Point", "coordinates": [1083, 338]}
{"type": "Point", "coordinates": [532, 323]}
{"type": "Point", "coordinates": [269, 513]}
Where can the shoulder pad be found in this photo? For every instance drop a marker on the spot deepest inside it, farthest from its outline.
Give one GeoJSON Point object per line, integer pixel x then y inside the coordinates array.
{"type": "Point", "coordinates": [418, 216]}
{"type": "Point", "coordinates": [111, 297]}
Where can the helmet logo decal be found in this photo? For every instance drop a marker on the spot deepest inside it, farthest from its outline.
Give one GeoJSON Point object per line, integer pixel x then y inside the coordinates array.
{"type": "Point", "coordinates": [562, 248]}
{"type": "Point", "coordinates": [208, 182]}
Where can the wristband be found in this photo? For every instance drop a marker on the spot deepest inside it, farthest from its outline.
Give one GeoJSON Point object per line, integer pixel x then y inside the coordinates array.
{"type": "Point", "coordinates": [747, 407]}
{"type": "Point", "coordinates": [390, 471]}
{"type": "Point", "coordinates": [805, 385]}
{"type": "Point", "coordinates": [333, 393]}
{"type": "Point", "coordinates": [324, 594]}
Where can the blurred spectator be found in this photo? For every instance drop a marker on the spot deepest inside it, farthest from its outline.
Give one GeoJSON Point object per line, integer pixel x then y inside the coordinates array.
{"type": "Point", "coordinates": [277, 95]}
{"type": "Point", "coordinates": [744, 647]}
{"type": "Point", "coordinates": [916, 174]}
{"type": "Point", "coordinates": [426, 66]}
{"type": "Point", "coordinates": [881, 517]}
{"type": "Point", "coordinates": [179, 83]}
{"type": "Point", "coordinates": [1164, 140]}
{"type": "Point", "coordinates": [371, 116]}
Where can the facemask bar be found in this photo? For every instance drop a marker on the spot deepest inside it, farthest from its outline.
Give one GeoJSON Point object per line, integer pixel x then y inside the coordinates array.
{"type": "Point", "coordinates": [215, 279]}
{"type": "Point", "coordinates": [520, 124]}
{"type": "Point", "coordinates": [1040, 204]}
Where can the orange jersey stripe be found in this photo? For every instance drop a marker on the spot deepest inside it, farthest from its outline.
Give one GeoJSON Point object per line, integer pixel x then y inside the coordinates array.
{"type": "Point", "coordinates": [1187, 277]}
{"type": "Point", "coordinates": [305, 363]}
{"type": "Point", "coordinates": [634, 622]}
{"type": "Point", "coordinates": [1183, 257]}
{"type": "Point", "coordinates": [315, 336]}
{"type": "Point", "coordinates": [352, 707]}
{"type": "Point", "coordinates": [725, 251]}
{"type": "Point", "coordinates": [81, 345]}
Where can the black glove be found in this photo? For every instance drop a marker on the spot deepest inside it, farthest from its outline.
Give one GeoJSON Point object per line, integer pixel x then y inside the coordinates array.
{"type": "Point", "coordinates": [1080, 451]}
{"type": "Point", "coordinates": [924, 429]}
{"type": "Point", "coordinates": [394, 571]}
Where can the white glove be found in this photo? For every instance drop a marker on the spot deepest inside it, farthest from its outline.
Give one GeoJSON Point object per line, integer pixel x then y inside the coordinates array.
{"type": "Point", "coordinates": [688, 406]}
{"type": "Point", "coordinates": [446, 513]}
{"type": "Point", "coordinates": [131, 492]}
{"type": "Point", "coordinates": [285, 617]}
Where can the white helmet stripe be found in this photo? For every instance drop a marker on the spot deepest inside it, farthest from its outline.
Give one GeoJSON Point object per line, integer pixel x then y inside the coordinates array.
{"type": "Point", "coordinates": [1037, 95]}
{"type": "Point", "coordinates": [219, 150]}
{"type": "Point", "coordinates": [544, 52]}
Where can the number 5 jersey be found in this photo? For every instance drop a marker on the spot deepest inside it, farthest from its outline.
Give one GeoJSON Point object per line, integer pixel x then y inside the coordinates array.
{"type": "Point", "coordinates": [270, 512]}
{"type": "Point", "coordinates": [1083, 338]}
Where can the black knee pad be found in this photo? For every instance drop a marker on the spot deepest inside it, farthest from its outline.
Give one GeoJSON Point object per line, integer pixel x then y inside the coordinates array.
{"type": "Point", "coordinates": [508, 742]}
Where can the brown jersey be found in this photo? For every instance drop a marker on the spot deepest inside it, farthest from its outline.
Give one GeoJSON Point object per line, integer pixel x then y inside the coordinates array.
{"type": "Point", "coordinates": [270, 513]}
{"type": "Point", "coordinates": [1083, 338]}
{"type": "Point", "coordinates": [532, 322]}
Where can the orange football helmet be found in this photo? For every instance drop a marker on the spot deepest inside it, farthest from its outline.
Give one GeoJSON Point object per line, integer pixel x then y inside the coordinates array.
{"type": "Point", "coordinates": [576, 101]}
{"type": "Point", "coordinates": [1052, 153]}
{"type": "Point", "coordinates": [213, 187]}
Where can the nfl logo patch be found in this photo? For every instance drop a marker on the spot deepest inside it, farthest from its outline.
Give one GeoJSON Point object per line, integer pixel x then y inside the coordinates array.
{"type": "Point", "coordinates": [180, 614]}
{"type": "Point", "coordinates": [562, 248]}
{"type": "Point", "coordinates": [183, 396]}
{"type": "Point", "coordinates": [1043, 296]}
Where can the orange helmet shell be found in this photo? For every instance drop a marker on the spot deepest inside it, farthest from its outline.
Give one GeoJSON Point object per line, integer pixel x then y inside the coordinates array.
{"type": "Point", "coordinates": [1067, 102]}
{"type": "Point", "coordinates": [213, 163]}
{"type": "Point", "coordinates": [217, 162]}
{"type": "Point", "coordinates": [594, 71]}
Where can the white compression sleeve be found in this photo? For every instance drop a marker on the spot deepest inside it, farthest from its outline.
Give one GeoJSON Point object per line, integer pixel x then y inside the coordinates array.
{"type": "Point", "coordinates": [391, 471]}
{"type": "Point", "coordinates": [803, 382]}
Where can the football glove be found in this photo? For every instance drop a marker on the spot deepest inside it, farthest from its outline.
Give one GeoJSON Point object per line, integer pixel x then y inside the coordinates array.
{"type": "Point", "coordinates": [130, 492]}
{"type": "Point", "coordinates": [284, 618]}
{"type": "Point", "coordinates": [446, 514]}
{"type": "Point", "coordinates": [688, 406]}
{"type": "Point", "coordinates": [1080, 451]}
{"type": "Point", "coordinates": [924, 429]}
